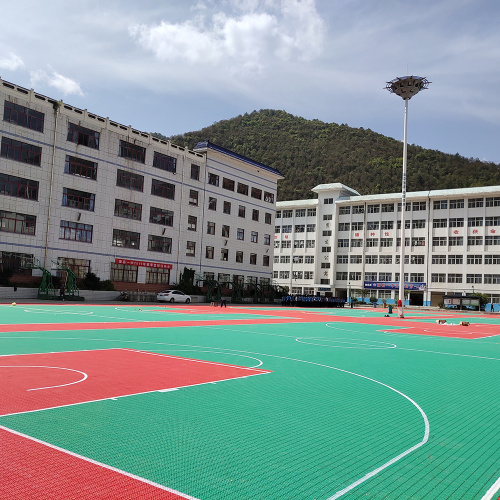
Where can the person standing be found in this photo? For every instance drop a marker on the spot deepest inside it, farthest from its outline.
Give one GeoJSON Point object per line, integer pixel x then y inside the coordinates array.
{"type": "Point", "coordinates": [62, 291]}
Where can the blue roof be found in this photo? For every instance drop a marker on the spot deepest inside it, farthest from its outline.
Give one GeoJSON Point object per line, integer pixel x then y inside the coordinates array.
{"type": "Point", "coordinates": [220, 149]}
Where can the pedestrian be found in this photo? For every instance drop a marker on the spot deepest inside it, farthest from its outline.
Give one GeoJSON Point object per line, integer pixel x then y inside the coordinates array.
{"type": "Point", "coordinates": [61, 291]}
{"type": "Point", "coordinates": [223, 302]}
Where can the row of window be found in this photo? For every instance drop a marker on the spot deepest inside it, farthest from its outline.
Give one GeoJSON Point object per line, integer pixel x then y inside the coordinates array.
{"type": "Point", "coordinates": [487, 279]}
{"type": "Point", "coordinates": [224, 256]}
{"type": "Point", "coordinates": [241, 188]}
{"type": "Point", "coordinates": [437, 241]}
{"type": "Point", "coordinates": [379, 259]}
{"type": "Point", "coordinates": [296, 244]}
{"type": "Point", "coordinates": [369, 276]}
{"type": "Point", "coordinates": [299, 228]}
{"type": "Point", "coordinates": [299, 275]}
{"type": "Point", "coordinates": [299, 212]}
{"type": "Point", "coordinates": [227, 207]}
{"type": "Point", "coordinates": [471, 203]}
{"type": "Point", "coordinates": [297, 259]}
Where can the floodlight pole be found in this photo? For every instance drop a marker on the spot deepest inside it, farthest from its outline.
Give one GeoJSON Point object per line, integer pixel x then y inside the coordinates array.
{"type": "Point", "coordinates": [405, 87]}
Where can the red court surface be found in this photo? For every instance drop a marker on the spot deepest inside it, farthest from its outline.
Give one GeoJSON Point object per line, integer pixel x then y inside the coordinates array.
{"type": "Point", "coordinates": [32, 469]}
{"type": "Point", "coordinates": [40, 381]}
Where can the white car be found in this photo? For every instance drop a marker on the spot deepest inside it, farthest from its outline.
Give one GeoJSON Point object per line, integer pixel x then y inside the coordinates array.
{"type": "Point", "coordinates": [173, 296]}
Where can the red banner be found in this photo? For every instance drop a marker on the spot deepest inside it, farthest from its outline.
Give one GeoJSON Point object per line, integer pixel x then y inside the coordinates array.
{"type": "Point", "coordinates": [143, 263]}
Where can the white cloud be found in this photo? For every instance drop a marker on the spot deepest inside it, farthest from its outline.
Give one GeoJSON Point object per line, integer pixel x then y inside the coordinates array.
{"type": "Point", "coordinates": [11, 62]}
{"type": "Point", "coordinates": [62, 83]}
{"type": "Point", "coordinates": [253, 35]}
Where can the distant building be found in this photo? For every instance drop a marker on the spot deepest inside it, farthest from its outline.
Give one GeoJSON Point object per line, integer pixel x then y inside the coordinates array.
{"type": "Point", "coordinates": [342, 243]}
{"type": "Point", "coordinates": [94, 195]}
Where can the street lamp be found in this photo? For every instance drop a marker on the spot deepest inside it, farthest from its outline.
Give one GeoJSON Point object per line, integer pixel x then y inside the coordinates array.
{"type": "Point", "coordinates": [405, 87]}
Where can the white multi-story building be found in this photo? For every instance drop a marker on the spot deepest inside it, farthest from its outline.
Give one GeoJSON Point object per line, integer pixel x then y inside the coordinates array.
{"type": "Point", "coordinates": [94, 195]}
{"type": "Point", "coordinates": [342, 243]}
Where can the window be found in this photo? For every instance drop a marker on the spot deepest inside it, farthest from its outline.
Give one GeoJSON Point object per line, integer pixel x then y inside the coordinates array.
{"type": "Point", "coordinates": [407, 224]}
{"type": "Point", "coordinates": [212, 203]}
{"type": "Point", "coordinates": [492, 279]}
{"type": "Point", "coordinates": [22, 116]}
{"type": "Point", "coordinates": [475, 221]}
{"type": "Point", "coordinates": [278, 214]}
{"type": "Point", "coordinates": [373, 209]}
{"type": "Point", "coordinates": [241, 211]}
{"type": "Point", "coordinates": [343, 243]}
{"type": "Point", "coordinates": [328, 217]}
{"type": "Point", "coordinates": [455, 278]}
{"type": "Point", "coordinates": [407, 242]}
{"type": "Point", "coordinates": [277, 229]}
{"type": "Point", "coordinates": [210, 227]}
{"type": "Point", "coordinates": [16, 262]}
{"type": "Point", "coordinates": [286, 229]}
{"type": "Point", "coordinates": [268, 197]}
{"type": "Point", "coordinates": [227, 184]}
{"type": "Point", "coordinates": [387, 224]}
{"type": "Point", "coordinates": [253, 259]}
{"type": "Point", "coordinates": [213, 179]}
{"type": "Point", "coordinates": [284, 275]}
{"type": "Point", "coordinates": [474, 240]}
{"type": "Point", "coordinates": [209, 252]}
{"type": "Point", "coordinates": [193, 197]}
{"type": "Point", "coordinates": [493, 202]}
{"type": "Point", "coordinates": [344, 226]}
{"type": "Point", "coordinates": [224, 253]}
{"type": "Point", "coordinates": [11, 185]}
{"type": "Point", "coordinates": [439, 241]}
{"type": "Point", "coordinates": [456, 222]}
{"type": "Point", "coordinates": [326, 249]}
{"type": "Point", "coordinates": [419, 241]}
{"type": "Point", "coordinates": [12, 222]}
{"type": "Point", "coordinates": [417, 259]}
{"type": "Point", "coordinates": [276, 244]}
{"type": "Point", "coordinates": [492, 221]}
{"type": "Point", "coordinates": [327, 233]}
{"type": "Point", "coordinates": [341, 276]}
{"type": "Point", "coordinates": [132, 152]}
{"type": "Point", "coordinates": [370, 225]}
{"type": "Point", "coordinates": [190, 248]}
{"type": "Point", "coordinates": [492, 240]}
{"type": "Point", "coordinates": [357, 226]}
{"type": "Point", "coordinates": [80, 168]}
{"type": "Point", "coordinates": [385, 277]}
{"type": "Point", "coordinates": [438, 278]}
{"type": "Point", "coordinates": [387, 242]}
{"type": "Point", "coordinates": [78, 199]}
{"type": "Point", "coordinates": [309, 259]}
{"type": "Point", "coordinates": [128, 210]}
{"type": "Point", "coordinates": [256, 193]}
{"type": "Point", "coordinates": [356, 243]}
{"type": "Point", "coordinates": [129, 180]}
{"type": "Point", "coordinates": [308, 275]}
{"type": "Point", "coordinates": [239, 257]}
{"type": "Point", "coordinates": [371, 259]}
{"type": "Point", "coordinates": [310, 243]}
{"type": "Point", "coordinates": [265, 261]}
{"type": "Point", "coordinates": [159, 244]}
{"type": "Point", "coordinates": [456, 204]}
{"type": "Point", "coordinates": [161, 216]}
{"type": "Point", "coordinates": [226, 208]}
{"type": "Point", "coordinates": [300, 212]}
{"type": "Point", "coordinates": [474, 278]}
{"type": "Point", "coordinates": [267, 218]}
{"type": "Point", "coordinates": [157, 275]}
{"type": "Point", "coordinates": [287, 214]}
{"type": "Point", "coordinates": [419, 206]}
{"type": "Point", "coordinates": [311, 212]}
{"type": "Point", "coordinates": [126, 239]}
{"type": "Point", "coordinates": [371, 242]}
{"type": "Point", "coordinates": [225, 231]}
{"type": "Point", "coordinates": [387, 207]}
{"type": "Point", "coordinates": [385, 259]}
{"type": "Point", "coordinates": [240, 234]}
{"type": "Point", "coordinates": [407, 208]}
{"type": "Point", "coordinates": [439, 259]}
{"type": "Point", "coordinates": [475, 202]}
{"type": "Point", "coordinates": [492, 259]}
{"type": "Point", "coordinates": [342, 259]}
{"type": "Point", "coordinates": [267, 239]}
{"type": "Point", "coordinates": [455, 259]}
{"type": "Point", "coordinates": [300, 228]}
{"type": "Point", "coordinates": [163, 189]}
{"type": "Point", "coordinates": [418, 224]}
{"type": "Point", "coordinates": [124, 273]}
{"type": "Point", "coordinates": [311, 228]}
{"type": "Point", "coordinates": [454, 241]}
{"type": "Point", "coordinates": [416, 277]}
{"type": "Point", "coordinates": [255, 215]}
{"type": "Point", "coordinates": [474, 259]}
{"type": "Point", "coordinates": [324, 281]}
{"type": "Point", "coordinates": [242, 189]}
{"type": "Point", "coordinates": [440, 204]}
{"type": "Point", "coordinates": [195, 172]}
{"type": "Point", "coordinates": [298, 244]}
{"type": "Point", "coordinates": [254, 237]}
{"type": "Point", "coordinates": [192, 223]}
{"type": "Point", "coordinates": [83, 136]}
{"type": "Point", "coordinates": [440, 223]}
{"type": "Point", "coordinates": [21, 151]}
{"type": "Point", "coordinates": [356, 276]}
{"type": "Point", "coordinates": [165, 162]}
{"type": "Point", "coordinates": [223, 278]}
{"type": "Point", "coordinates": [325, 265]}
{"type": "Point", "coordinates": [358, 209]}
{"type": "Point", "coordinates": [328, 201]}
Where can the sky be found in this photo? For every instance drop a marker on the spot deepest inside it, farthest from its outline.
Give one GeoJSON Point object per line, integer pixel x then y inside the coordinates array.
{"type": "Point", "coordinates": [175, 66]}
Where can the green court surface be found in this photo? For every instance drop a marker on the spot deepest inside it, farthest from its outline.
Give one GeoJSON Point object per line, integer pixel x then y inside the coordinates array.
{"type": "Point", "coordinates": [348, 411]}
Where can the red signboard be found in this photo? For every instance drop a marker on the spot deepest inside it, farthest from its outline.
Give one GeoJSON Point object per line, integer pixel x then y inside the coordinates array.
{"type": "Point", "coordinates": [143, 263]}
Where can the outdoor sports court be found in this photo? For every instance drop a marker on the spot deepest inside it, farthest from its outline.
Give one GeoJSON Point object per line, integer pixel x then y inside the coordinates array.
{"type": "Point", "coordinates": [247, 403]}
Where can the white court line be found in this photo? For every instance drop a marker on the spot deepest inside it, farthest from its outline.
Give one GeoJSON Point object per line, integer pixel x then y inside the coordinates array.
{"type": "Point", "coordinates": [341, 340]}
{"type": "Point", "coordinates": [100, 464]}
{"type": "Point", "coordinates": [495, 487]}
{"type": "Point", "coordinates": [51, 367]}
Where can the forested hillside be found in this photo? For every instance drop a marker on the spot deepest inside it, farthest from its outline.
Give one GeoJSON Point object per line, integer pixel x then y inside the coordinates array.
{"type": "Point", "coordinates": [311, 152]}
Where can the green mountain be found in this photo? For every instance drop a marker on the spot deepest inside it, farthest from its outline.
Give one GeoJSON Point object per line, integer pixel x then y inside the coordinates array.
{"type": "Point", "coordinates": [312, 152]}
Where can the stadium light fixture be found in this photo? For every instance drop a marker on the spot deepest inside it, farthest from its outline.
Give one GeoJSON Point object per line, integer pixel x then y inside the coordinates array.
{"type": "Point", "coordinates": [405, 87]}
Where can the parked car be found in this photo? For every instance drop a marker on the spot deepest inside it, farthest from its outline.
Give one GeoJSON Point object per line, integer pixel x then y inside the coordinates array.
{"type": "Point", "coordinates": [173, 296]}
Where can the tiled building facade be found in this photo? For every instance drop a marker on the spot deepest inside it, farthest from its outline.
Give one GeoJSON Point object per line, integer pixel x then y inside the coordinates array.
{"type": "Point", "coordinates": [84, 191]}
{"type": "Point", "coordinates": [341, 243]}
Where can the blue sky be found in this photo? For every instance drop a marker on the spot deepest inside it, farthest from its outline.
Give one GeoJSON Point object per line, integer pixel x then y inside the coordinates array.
{"type": "Point", "coordinates": [174, 66]}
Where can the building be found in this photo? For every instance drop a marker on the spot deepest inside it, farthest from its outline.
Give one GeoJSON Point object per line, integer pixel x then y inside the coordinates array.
{"type": "Point", "coordinates": [346, 245]}
{"type": "Point", "coordinates": [83, 191]}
